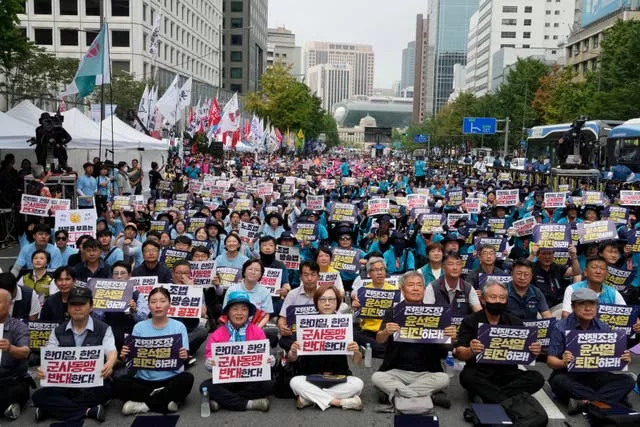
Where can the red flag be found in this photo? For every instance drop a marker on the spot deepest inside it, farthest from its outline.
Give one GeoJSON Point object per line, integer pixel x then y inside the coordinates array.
{"type": "Point", "coordinates": [235, 138]}
{"type": "Point", "coordinates": [62, 107]}
{"type": "Point", "coordinates": [279, 136]}
{"type": "Point", "coordinates": [247, 130]}
{"type": "Point", "coordinates": [191, 122]}
{"type": "Point", "coordinates": [214, 113]}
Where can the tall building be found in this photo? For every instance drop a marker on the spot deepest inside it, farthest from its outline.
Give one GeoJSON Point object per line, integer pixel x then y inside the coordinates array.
{"type": "Point", "coordinates": [244, 44]}
{"type": "Point", "coordinates": [281, 47]}
{"type": "Point", "coordinates": [501, 31]}
{"type": "Point", "coordinates": [332, 83]}
{"type": "Point", "coordinates": [448, 29]}
{"type": "Point", "coordinates": [408, 65]}
{"type": "Point", "coordinates": [423, 72]}
{"type": "Point", "coordinates": [360, 57]}
{"type": "Point", "coordinates": [189, 36]}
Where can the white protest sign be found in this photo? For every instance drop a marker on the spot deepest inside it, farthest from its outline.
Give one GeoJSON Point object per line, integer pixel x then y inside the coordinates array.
{"type": "Point", "coordinates": [237, 362]}
{"type": "Point", "coordinates": [324, 333]}
{"type": "Point", "coordinates": [76, 222]}
{"type": "Point", "coordinates": [72, 367]}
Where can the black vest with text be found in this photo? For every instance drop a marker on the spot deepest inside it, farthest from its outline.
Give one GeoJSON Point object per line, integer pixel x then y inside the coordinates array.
{"type": "Point", "coordinates": [92, 339]}
{"type": "Point", "coordinates": [460, 304]}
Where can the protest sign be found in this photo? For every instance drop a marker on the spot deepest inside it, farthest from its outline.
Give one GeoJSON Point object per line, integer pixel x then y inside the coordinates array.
{"type": "Point", "coordinates": [555, 200]}
{"type": "Point", "coordinates": [563, 188]}
{"type": "Point", "coordinates": [375, 303]}
{"type": "Point", "coordinates": [377, 207]}
{"type": "Point", "coordinates": [315, 203]}
{"type": "Point", "coordinates": [272, 280]}
{"type": "Point", "coordinates": [619, 316]}
{"type": "Point", "coordinates": [633, 238]}
{"type": "Point", "coordinates": [473, 205]}
{"type": "Point", "coordinates": [543, 329]}
{"type": "Point", "coordinates": [454, 198]}
{"type": "Point", "coordinates": [242, 205]}
{"type": "Point", "coordinates": [629, 198]}
{"type": "Point", "coordinates": [328, 279]}
{"type": "Point", "coordinates": [497, 225]}
{"type": "Point", "coordinates": [349, 180]}
{"type": "Point", "coordinates": [186, 300]}
{"type": "Point", "coordinates": [265, 189]}
{"type": "Point", "coordinates": [169, 257]}
{"type": "Point", "coordinates": [324, 333]}
{"type": "Point", "coordinates": [195, 186]}
{"type": "Point", "coordinates": [504, 177]}
{"type": "Point", "coordinates": [343, 212]}
{"type": "Point", "coordinates": [110, 295]}
{"type": "Point", "coordinates": [238, 362]}
{"type": "Point", "coordinates": [328, 184]}
{"type": "Point", "coordinates": [484, 278]}
{"type": "Point", "coordinates": [72, 367]}
{"type": "Point", "coordinates": [421, 323]}
{"type": "Point", "coordinates": [228, 276]}
{"type": "Point", "coordinates": [432, 223]}
{"type": "Point", "coordinates": [76, 222]}
{"type": "Point", "coordinates": [42, 206]}
{"type": "Point", "coordinates": [144, 284]}
{"type": "Point", "coordinates": [506, 345]}
{"type": "Point", "coordinates": [161, 205]}
{"type": "Point", "coordinates": [165, 186]}
{"type": "Point", "coordinates": [596, 351]}
{"type": "Point", "coordinates": [289, 256]}
{"type": "Point", "coordinates": [201, 244]}
{"type": "Point", "coordinates": [202, 272]}
{"type": "Point", "coordinates": [39, 333]}
{"type": "Point", "coordinates": [159, 226]}
{"type": "Point", "coordinates": [293, 311]}
{"type": "Point", "coordinates": [552, 236]}
{"type": "Point", "coordinates": [561, 257]}
{"type": "Point", "coordinates": [507, 197]}
{"type": "Point", "coordinates": [417, 201]}
{"type": "Point", "coordinates": [305, 231]}
{"type": "Point", "coordinates": [593, 198]}
{"type": "Point", "coordinates": [453, 218]}
{"type": "Point", "coordinates": [248, 231]}
{"type": "Point", "coordinates": [498, 244]}
{"type": "Point", "coordinates": [617, 214]}
{"type": "Point", "coordinates": [597, 231]}
{"type": "Point", "coordinates": [618, 278]}
{"type": "Point", "coordinates": [346, 260]}
{"type": "Point", "coordinates": [193, 223]}
{"type": "Point", "coordinates": [121, 203]}
{"type": "Point", "coordinates": [155, 353]}
{"type": "Point", "coordinates": [524, 227]}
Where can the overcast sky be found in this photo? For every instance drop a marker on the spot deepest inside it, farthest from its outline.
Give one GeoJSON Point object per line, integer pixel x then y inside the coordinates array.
{"type": "Point", "coordinates": [388, 25]}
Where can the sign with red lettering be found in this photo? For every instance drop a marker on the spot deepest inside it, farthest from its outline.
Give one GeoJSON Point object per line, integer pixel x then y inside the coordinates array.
{"type": "Point", "coordinates": [72, 367]}
{"type": "Point", "coordinates": [272, 280]}
{"type": "Point", "coordinates": [42, 206]}
{"type": "Point", "coordinates": [324, 333]}
{"type": "Point", "coordinates": [186, 300]}
{"type": "Point", "coordinates": [239, 362]}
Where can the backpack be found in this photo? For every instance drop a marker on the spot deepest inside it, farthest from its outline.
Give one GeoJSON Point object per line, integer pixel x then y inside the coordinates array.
{"type": "Point", "coordinates": [525, 411]}
{"type": "Point", "coordinates": [602, 414]}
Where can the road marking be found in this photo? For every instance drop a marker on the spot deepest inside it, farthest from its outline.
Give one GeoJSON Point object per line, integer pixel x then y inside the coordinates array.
{"type": "Point", "coordinates": [549, 406]}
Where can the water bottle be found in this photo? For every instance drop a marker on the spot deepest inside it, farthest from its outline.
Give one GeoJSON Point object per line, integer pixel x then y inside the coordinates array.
{"type": "Point", "coordinates": [449, 364]}
{"type": "Point", "coordinates": [205, 410]}
{"type": "Point", "coordinates": [368, 354]}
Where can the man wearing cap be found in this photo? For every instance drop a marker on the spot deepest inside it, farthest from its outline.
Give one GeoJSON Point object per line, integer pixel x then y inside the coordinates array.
{"type": "Point", "coordinates": [87, 187]}
{"type": "Point", "coordinates": [41, 236]}
{"type": "Point", "coordinates": [581, 388]}
{"type": "Point", "coordinates": [74, 404]}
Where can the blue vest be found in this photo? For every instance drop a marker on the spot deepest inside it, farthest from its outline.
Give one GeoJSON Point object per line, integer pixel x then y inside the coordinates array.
{"type": "Point", "coordinates": [92, 339]}
{"type": "Point", "coordinates": [607, 296]}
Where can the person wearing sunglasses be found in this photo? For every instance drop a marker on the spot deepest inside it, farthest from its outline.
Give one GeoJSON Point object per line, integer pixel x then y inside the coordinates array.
{"type": "Point", "coordinates": [62, 238]}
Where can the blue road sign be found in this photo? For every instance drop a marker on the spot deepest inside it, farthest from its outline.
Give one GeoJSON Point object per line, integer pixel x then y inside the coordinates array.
{"type": "Point", "coordinates": [421, 138]}
{"type": "Point", "coordinates": [479, 125]}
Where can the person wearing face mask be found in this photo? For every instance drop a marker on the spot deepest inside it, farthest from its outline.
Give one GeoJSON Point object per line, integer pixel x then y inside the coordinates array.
{"type": "Point", "coordinates": [492, 383]}
{"type": "Point", "coordinates": [399, 258]}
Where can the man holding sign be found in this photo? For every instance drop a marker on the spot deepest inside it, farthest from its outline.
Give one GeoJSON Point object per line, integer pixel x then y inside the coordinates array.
{"type": "Point", "coordinates": [580, 388]}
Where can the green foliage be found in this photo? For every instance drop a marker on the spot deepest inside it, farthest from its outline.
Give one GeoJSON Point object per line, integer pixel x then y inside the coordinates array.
{"type": "Point", "coordinates": [12, 43]}
{"type": "Point", "coordinates": [125, 92]}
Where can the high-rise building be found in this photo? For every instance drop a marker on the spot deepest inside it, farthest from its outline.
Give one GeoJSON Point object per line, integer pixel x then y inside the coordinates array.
{"type": "Point", "coordinates": [423, 71]}
{"type": "Point", "coordinates": [360, 57]}
{"type": "Point", "coordinates": [189, 36]}
{"type": "Point", "coordinates": [281, 47]}
{"type": "Point", "coordinates": [244, 41]}
{"type": "Point", "coordinates": [448, 29]}
{"type": "Point", "coordinates": [520, 29]}
{"type": "Point", "coordinates": [408, 66]}
{"type": "Point", "coordinates": [332, 83]}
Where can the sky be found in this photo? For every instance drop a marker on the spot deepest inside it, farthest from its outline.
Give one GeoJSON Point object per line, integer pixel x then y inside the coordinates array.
{"type": "Point", "coordinates": [388, 25]}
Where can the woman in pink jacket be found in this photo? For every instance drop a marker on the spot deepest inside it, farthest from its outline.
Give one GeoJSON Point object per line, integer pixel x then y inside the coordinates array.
{"type": "Point", "coordinates": [244, 395]}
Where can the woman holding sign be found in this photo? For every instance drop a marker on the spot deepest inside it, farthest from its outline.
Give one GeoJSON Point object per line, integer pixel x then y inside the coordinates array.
{"type": "Point", "coordinates": [157, 390]}
{"type": "Point", "coordinates": [326, 380]}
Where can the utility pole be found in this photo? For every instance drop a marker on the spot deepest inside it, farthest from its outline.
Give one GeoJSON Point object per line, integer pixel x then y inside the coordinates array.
{"type": "Point", "coordinates": [102, 115]}
{"type": "Point", "coordinates": [506, 136]}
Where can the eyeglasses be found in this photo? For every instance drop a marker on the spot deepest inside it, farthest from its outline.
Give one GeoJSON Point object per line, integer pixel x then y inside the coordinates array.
{"type": "Point", "coordinates": [378, 270]}
{"type": "Point", "coordinates": [61, 238]}
{"type": "Point", "coordinates": [120, 273]}
{"type": "Point", "coordinates": [327, 299]}
{"type": "Point", "coordinates": [345, 238]}
{"type": "Point", "coordinates": [255, 270]}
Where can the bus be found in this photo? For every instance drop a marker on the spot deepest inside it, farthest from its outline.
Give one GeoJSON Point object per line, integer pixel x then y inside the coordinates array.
{"type": "Point", "coordinates": [542, 141]}
{"type": "Point", "coordinates": [623, 145]}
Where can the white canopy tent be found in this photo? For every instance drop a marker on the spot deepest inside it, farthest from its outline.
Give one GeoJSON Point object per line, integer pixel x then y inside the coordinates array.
{"type": "Point", "coordinates": [13, 133]}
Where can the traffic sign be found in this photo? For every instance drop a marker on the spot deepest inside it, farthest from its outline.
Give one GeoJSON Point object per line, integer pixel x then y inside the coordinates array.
{"type": "Point", "coordinates": [479, 125]}
{"type": "Point", "coordinates": [421, 138]}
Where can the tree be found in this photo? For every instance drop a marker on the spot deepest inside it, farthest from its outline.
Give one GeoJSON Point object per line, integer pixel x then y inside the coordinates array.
{"type": "Point", "coordinates": [125, 92]}
{"type": "Point", "coordinates": [13, 44]}
{"type": "Point", "coordinates": [559, 99]}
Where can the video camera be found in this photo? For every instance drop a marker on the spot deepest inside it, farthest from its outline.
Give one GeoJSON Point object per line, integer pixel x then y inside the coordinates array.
{"type": "Point", "coordinates": [51, 139]}
{"type": "Point", "coordinates": [574, 151]}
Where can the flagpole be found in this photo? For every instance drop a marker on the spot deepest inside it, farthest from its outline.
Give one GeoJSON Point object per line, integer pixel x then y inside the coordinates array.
{"type": "Point", "coordinates": [102, 88]}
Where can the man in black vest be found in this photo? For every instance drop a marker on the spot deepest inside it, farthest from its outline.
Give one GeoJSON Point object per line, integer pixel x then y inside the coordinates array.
{"type": "Point", "coordinates": [14, 380]}
{"type": "Point", "coordinates": [74, 404]}
{"type": "Point", "coordinates": [24, 302]}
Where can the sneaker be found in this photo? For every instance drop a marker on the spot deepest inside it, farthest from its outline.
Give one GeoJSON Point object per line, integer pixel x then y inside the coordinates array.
{"type": "Point", "coordinates": [214, 406]}
{"type": "Point", "coordinates": [172, 406]}
{"type": "Point", "coordinates": [132, 408]}
{"type": "Point", "coordinates": [39, 414]}
{"type": "Point", "coordinates": [352, 403]}
{"type": "Point", "coordinates": [259, 405]}
{"type": "Point", "coordinates": [97, 413]}
{"type": "Point", "coordinates": [301, 402]}
{"type": "Point", "coordinates": [576, 406]}
{"type": "Point", "coordinates": [13, 411]}
{"type": "Point", "coordinates": [440, 399]}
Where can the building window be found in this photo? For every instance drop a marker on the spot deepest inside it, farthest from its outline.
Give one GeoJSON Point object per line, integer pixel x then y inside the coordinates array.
{"type": "Point", "coordinates": [553, 52]}
{"type": "Point", "coordinates": [120, 66]}
{"type": "Point", "coordinates": [507, 45]}
{"type": "Point", "coordinates": [555, 37]}
{"type": "Point", "coordinates": [68, 7]}
{"type": "Point", "coordinates": [509, 9]}
{"type": "Point", "coordinates": [547, 24]}
{"type": "Point", "coordinates": [119, 7]}
{"type": "Point", "coordinates": [236, 39]}
{"type": "Point", "coordinates": [144, 12]}
{"type": "Point", "coordinates": [508, 34]}
{"type": "Point", "coordinates": [119, 38]}
{"type": "Point", "coordinates": [526, 35]}
{"type": "Point", "coordinates": [236, 6]}
{"type": "Point", "coordinates": [528, 9]}
{"type": "Point", "coordinates": [43, 36]}
{"type": "Point", "coordinates": [509, 21]}
{"type": "Point", "coordinates": [526, 46]}
{"type": "Point", "coordinates": [557, 12]}
{"type": "Point", "coordinates": [548, 12]}
{"type": "Point", "coordinates": [527, 22]}
{"type": "Point", "coordinates": [556, 25]}
{"type": "Point", "coordinates": [236, 73]}
{"type": "Point", "coordinates": [236, 56]}
{"type": "Point", "coordinates": [594, 65]}
{"type": "Point", "coordinates": [91, 35]}
{"type": "Point", "coordinates": [546, 37]}
{"type": "Point", "coordinates": [69, 37]}
{"type": "Point", "coordinates": [234, 87]}
{"type": "Point", "coordinates": [236, 22]}
{"type": "Point", "coordinates": [92, 7]}
{"type": "Point", "coordinates": [42, 7]}
{"type": "Point", "coordinates": [596, 41]}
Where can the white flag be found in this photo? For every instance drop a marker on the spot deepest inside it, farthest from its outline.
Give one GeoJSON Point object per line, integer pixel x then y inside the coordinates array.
{"type": "Point", "coordinates": [230, 115]}
{"type": "Point", "coordinates": [143, 108]}
{"type": "Point", "coordinates": [155, 38]}
{"type": "Point", "coordinates": [184, 98]}
{"type": "Point", "coordinates": [168, 103]}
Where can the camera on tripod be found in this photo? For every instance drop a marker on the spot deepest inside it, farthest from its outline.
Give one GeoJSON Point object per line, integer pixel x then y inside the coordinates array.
{"type": "Point", "coordinates": [574, 151]}
{"type": "Point", "coordinates": [50, 140]}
